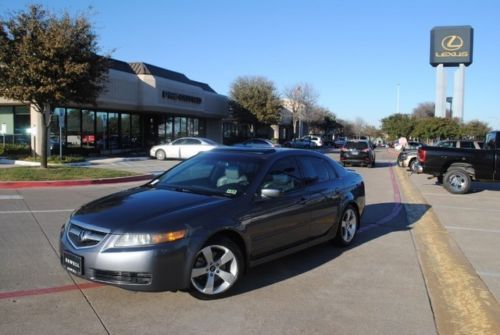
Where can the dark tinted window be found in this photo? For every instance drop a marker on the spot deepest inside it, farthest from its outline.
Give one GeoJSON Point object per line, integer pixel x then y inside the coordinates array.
{"type": "Point", "coordinates": [467, 144]}
{"type": "Point", "coordinates": [313, 167]}
{"type": "Point", "coordinates": [356, 145]}
{"type": "Point", "coordinates": [490, 141]}
{"type": "Point", "coordinates": [284, 175]}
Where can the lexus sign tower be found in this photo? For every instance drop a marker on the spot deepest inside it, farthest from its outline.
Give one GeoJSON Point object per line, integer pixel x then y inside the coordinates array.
{"type": "Point", "coordinates": [451, 47]}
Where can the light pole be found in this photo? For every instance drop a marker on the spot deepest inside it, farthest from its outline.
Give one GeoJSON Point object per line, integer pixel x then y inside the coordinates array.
{"type": "Point", "coordinates": [397, 98]}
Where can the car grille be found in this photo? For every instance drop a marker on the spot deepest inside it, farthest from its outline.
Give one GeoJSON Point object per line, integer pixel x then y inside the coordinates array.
{"type": "Point", "coordinates": [118, 277]}
{"type": "Point", "coordinates": [82, 237]}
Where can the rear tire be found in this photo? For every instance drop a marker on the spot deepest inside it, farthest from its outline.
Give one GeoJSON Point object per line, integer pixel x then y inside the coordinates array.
{"type": "Point", "coordinates": [348, 227]}
{"type": "Point", "coordinates": [412, 164]}
{"type": "Point", "coordinates": [457, 181]}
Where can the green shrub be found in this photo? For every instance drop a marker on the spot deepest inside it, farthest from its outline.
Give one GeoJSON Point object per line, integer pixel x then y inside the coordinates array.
{"type": "Point", "coordinates": [11, 150]}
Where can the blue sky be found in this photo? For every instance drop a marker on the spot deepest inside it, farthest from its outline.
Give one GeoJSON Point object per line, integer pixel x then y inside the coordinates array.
{"type": "Point", "coordinates": [354, 53]}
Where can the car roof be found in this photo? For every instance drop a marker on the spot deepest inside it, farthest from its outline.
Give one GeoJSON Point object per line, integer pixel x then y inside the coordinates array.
{"type": "Point", "coordinates": [263, 152]}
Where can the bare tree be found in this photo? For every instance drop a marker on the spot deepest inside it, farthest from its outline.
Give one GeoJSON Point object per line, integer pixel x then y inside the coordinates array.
{"type": "Point", "coordinates": [301, 101]}
{"type": "Point", "coordinates": [359, 127]}
{"type": "Point", "coordinates": [424, 110]}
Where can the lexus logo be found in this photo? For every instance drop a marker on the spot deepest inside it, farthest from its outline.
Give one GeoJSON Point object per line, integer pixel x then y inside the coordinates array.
{"type": "Point", "coordinates": [452, 43]}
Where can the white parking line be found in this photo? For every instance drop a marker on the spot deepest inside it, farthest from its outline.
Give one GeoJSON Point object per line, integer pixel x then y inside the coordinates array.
{"type": "Point", "coordinates": [38, 211]}
{"type": "Point", "coordinates": [475, 229]}
{"type": "Point", "coordinates": [11, 197]}
{"type": "Point", "coordinates": [489, 274]}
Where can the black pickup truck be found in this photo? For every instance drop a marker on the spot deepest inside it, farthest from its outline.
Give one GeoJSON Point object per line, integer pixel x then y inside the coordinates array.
{"type": "Point", "coordinates": [456, 168]}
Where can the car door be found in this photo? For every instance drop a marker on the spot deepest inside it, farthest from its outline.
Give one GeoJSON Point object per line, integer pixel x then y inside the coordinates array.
{"type": "Point", "coordinates": [322, 191]}
{"type": "Point", "coordinates": [190, 147]}
{"type": "Point", "coordinates": [173, 150]}
{"type": "Point", "coordinates": [280, 222]}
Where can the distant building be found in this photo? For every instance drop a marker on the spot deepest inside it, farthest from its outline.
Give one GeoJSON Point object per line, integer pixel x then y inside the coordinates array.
{"type": "Point", "coordinates": [142, 105]}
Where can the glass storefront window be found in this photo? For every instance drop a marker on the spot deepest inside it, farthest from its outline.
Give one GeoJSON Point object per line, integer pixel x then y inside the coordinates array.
{"type": "Point", "coordinates": [74, 131]}
{"type": "Point", "coordinates": [88, 130]}
{"type": "Point", "coordinates": [113, 130]}
{"type": "Point", "coordinates": [169, 129]}
{"type": "Point", "coordinates": [196, 131]}
{"type": "Point", "coordinates": [125, 130]}
{"type": "Point", "coordinates": [136, 139]}
{"type": "Point", "coordinates": [21, 119]}
{"type": "Point", "coordinates": [101, 130]}
{"type": "Point", "coordinates": [162, 129]}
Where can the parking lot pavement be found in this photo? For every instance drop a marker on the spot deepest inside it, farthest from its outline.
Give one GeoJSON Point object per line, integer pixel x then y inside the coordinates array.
{"type": "Point", "coordinates": [474, 222]}
{"type": "Point", "coordinates": [374, 287]}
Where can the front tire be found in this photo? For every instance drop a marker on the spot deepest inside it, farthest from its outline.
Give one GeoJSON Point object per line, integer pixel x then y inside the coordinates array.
{"type": "Point", "coordinates": [160, 155]}
{"type": "Point", "coordinates": [457, 181]}
{"type": "Point", "coordinates": [348, 227]}
{"type": "Point", "coordinates": [217, 268]}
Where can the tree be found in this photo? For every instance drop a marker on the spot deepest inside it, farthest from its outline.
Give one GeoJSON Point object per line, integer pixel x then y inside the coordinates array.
{"type": "Point", "coordinates": [398, 125]}
{"type": "Point", "coordinates": [436, 128]}
{"type": "Point", "coordinates": [301, 101]}
{"type": "Point", "coordinates": [258, 96]}
{"type": "Point", "coordinates": [475, 129]}
{"type": "Point", "coordinates": [424, 110]}
{"type": "Point", "coordinates": [49, 61]}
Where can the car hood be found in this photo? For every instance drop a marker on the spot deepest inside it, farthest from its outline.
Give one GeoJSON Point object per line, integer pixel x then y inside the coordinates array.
{"type": "Point", "coordinates": [145, 209]}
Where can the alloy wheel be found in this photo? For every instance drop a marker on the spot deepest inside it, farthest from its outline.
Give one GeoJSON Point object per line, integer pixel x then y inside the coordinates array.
{"type": "Point", "coordinates": [348, 225]}
{"type": "Point", "coordinates": [215, 270]}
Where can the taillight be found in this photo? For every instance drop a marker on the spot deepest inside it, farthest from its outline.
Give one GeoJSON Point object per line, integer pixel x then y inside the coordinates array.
{"type": "Point", "coordinates": [421, 155]}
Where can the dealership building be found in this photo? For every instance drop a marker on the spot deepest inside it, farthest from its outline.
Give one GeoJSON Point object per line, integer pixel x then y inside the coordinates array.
{"type": "Point", "coordinates": [141, 105]}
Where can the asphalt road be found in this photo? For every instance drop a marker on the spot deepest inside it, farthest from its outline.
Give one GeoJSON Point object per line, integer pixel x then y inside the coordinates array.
{"type": "Point", "coordinates": [374, 287]}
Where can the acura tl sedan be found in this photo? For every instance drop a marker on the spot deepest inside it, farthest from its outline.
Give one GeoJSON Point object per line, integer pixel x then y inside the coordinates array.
{"type": "Point", "coordinates": [203, 223]}
{"type": "Point", "coordinates": [182, 148]}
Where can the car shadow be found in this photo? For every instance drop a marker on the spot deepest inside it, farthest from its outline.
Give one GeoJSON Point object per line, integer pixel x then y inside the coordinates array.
{"type": "Point", "coordinates": [377, 221]}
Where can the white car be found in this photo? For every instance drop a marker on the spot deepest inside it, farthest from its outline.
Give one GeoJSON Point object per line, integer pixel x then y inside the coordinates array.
{"type": "Point", "coordinates": [315, 139]}
{"type": "Point", "coordinates": [182, 148]}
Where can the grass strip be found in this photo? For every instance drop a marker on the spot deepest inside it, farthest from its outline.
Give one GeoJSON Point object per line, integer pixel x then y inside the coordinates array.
{"type": "Point", "coordinates": [59, 173]}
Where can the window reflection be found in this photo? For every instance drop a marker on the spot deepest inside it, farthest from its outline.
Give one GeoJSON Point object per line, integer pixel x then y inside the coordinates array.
{"type": "Point", "coordinates": [74, 131]}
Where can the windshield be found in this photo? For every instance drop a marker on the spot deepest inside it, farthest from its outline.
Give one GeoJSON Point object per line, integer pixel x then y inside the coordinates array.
{"type": "Point", "coordinates": [211, 174]}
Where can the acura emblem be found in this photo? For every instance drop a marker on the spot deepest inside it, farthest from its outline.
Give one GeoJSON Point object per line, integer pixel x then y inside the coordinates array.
{"type": "Point", "coordinates": [84, 235]}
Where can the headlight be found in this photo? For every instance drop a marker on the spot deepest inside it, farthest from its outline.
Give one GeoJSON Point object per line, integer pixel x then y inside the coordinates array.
{"type": "Point", "coordinates": [135, 240]}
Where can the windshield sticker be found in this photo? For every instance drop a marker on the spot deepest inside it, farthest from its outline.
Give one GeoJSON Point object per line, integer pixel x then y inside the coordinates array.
{"type": "Point", "coordinates": [231, 191]}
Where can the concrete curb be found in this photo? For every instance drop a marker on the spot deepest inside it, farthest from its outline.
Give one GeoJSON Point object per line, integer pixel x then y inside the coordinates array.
{"type": "Point", "coordinates": [65, 183]}
{"type": "Point", "coordinates": [461, 302]}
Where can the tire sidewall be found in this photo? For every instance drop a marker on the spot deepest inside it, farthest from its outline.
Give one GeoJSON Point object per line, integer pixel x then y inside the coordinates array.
{"type": "Point", "coordinates": [338, 237]}
{"type": "Point", "coordinates": [447, 184]}
{"type": "Point", "coordinates": [228, 243]}
{"type": "Point", "coordinates": [160, 152]}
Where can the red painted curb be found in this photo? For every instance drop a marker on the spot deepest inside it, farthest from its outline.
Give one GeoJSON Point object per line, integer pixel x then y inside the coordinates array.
{"type": "Point", "coordinates": [48, 290]}
{"type": "Point", "coordinates": [63, 183]}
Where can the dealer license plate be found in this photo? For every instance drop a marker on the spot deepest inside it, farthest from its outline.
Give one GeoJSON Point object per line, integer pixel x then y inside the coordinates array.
{"type": "Point", "coordinates": [73, 263]}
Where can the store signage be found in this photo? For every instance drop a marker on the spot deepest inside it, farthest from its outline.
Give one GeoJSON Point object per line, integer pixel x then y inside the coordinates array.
{"type": "Point", "coordinates": [180, 97]}
{"type": "Point", "coordinates": [451, 46]}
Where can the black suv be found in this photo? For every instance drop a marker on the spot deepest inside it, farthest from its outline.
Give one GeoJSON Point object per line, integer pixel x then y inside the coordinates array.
{"type": "Point", "coordinates": [357, 152]}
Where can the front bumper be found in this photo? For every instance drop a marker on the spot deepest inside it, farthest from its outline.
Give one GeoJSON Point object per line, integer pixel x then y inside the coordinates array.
{"type": "Point", "coordinates": [163, 267]}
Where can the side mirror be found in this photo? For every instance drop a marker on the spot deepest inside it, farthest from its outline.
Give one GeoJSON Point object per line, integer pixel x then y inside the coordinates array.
{"type": "Point", "coordinates": [270, 193]}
